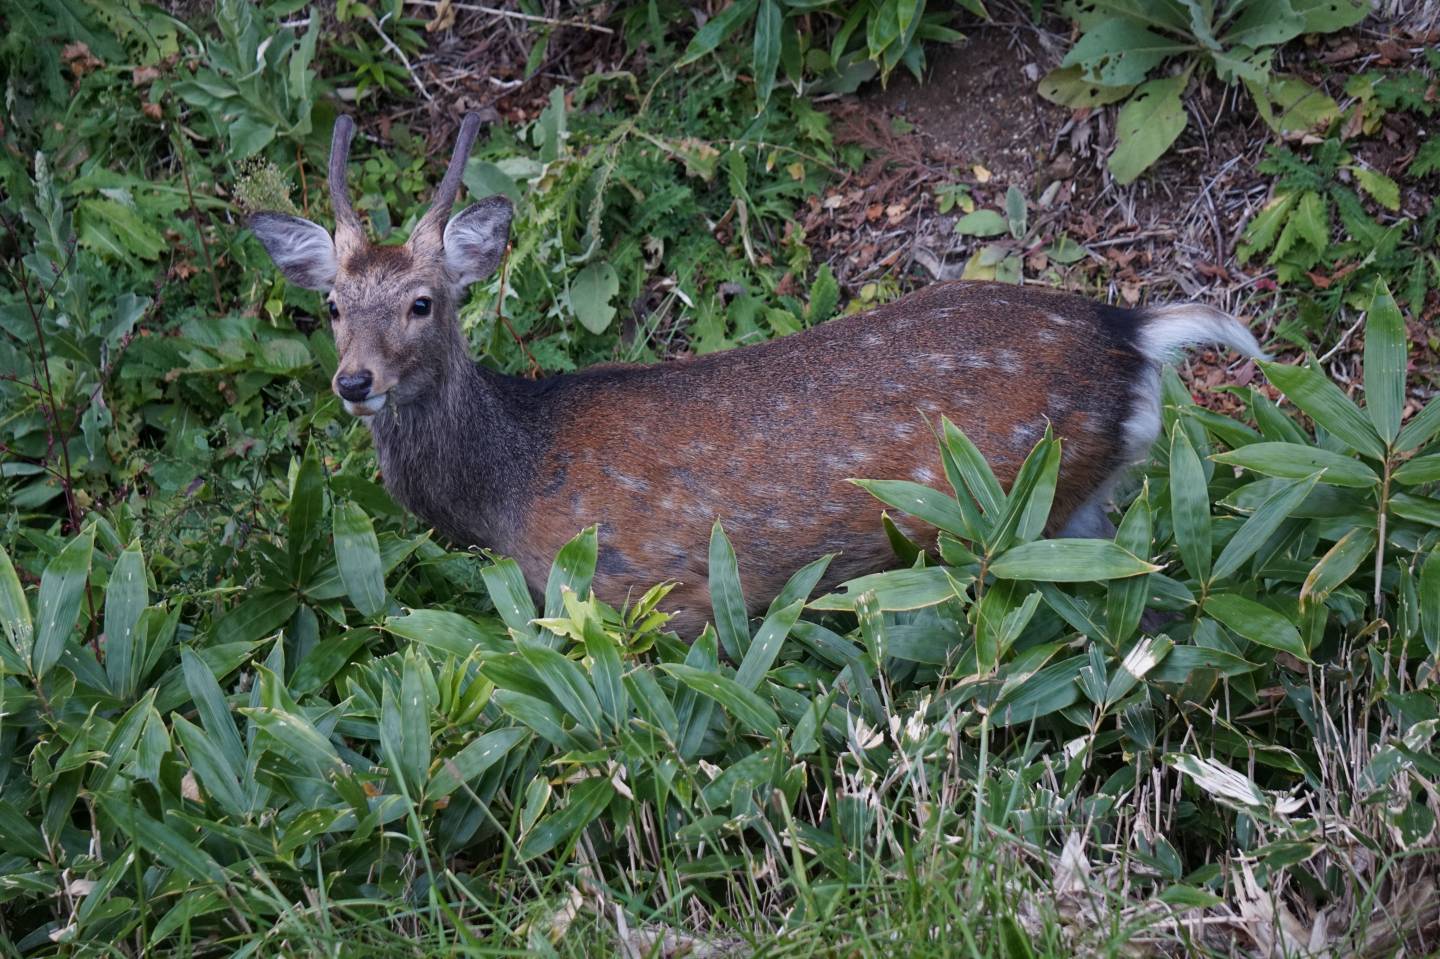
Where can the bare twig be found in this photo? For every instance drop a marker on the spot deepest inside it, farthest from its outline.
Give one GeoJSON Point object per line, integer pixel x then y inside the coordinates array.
{"type": "Point", "coordinates": [515, 15]}
{"type": "Point", "coordinates": [393, 48]}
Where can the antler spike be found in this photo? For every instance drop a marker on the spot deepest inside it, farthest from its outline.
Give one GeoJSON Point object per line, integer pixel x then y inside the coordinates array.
{"type": "Point", "coordinates": [435, 218]}
{"type": "Point", "coordinates": [348, 229]}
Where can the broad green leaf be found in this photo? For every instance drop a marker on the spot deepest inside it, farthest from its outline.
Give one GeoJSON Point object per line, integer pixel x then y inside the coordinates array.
{"type": "Point", "coordinates": [606, 668]}
{"type": "Point", "coordinates": [1257, 623]}
{"type": "Point", "coordinates": [585, 803]}
{"type": "Point", "coordinates": [326, 659]}
{"type": "Point", "coordinates": [217, 775]}
{"type": "Point", "coordinates": [766, 645]}
{"type": "Point", "coordinates": [1314, 393]}
{"type": "Point", "coordinates": [1148, 124]}
{"type": "Point", "coordinates": [766, 48]}
{"type": "Point", "coordinates": [14, 609]}
{"type": "Point", "coordinates": [357, 554]}
{"type": "Point", "coordinates": [573, 569]}
{"type": "Point", "coordinates": [1288, 105]}
{"type": "Point", "coordinates": [1069, 561]}
{"type": "Point", "coordinates": [1185, 660]}
{"type": "Point", "coordinates": [1384, 190]}
{"type": "Point", "coordinates": [1327, 16]}
{"type": "Point", "coordinates": [1047, 691]}
{"type": "Point", "coordinates": [1125, 598]}
{"type": "Point", "coordinates": [1421, 469]}
{"type": "Point", "coordinates": [800, 584]}
{"type": "Point", "coordinates": [1293, 461]}
{"type": "Point", "coordinates": [745, 706]}
{"type": "Point", "coordinates": [981, 223]}
{"type": "Point", "coordinates": [1068, 87]}
{"type": "Point", "coordinates": [415, 722]}
{"type": "Point", "coordinates": [471, 762]}
{"type": "Point", "coordinates": [296, 735]}
{"type": "Point", "coordinates": [1259, 526]}
{"type": "Point", "coordinates": [1420, 429]}
{"type": "Point", "coordinates": [214, 711]}
{"type": "Point", "coordinates": [62, 586]}
{"type": "Point", "coordinates": [1338, 564]}
{"type": "Point", "coordinates": [974, 472]}
{"type": "Point", "coordinates": [1119, 52]}
{"type": "Point", "coordinates": [1015, 211]}
{"type": "Point", "coordinates": [1385, 347]}
{"type": "Point", "coordinates": [898, 589]}
{"type": "Point", "coordinates": [1029, 499]}
{"type": "Point", "coordinates": [566, 682]}
{"type": "Point", "coordinates": [303, 514]}
{"type": "Point", "coordinates": [506, 584]}
{"type": "Point", "coordinates": [591, 293]}
{"type": "Point", "coordinates": [1147, 653]}
{"type": "Point", "coordinates": [259, 615]}
{"type": "Point", "coordinates": [1421, 509]}
{"type": "Point", "coordinates": [727, 599]}
{"type": "Point", "coordinates": [109, 226]}
{"type": "Point", "coordinates": [169, 847]}
{"type": "Point", "coordinates": [922, 502]}
{"type": "Point", "coordinates": [1429, 590]}
{"type": "Point", "coordinates": [448, 632]}
{"type": "Point", "coordinates": [126, 597]}
{"type": "Point", "coordinates": [1190, 506]}
{"type": "Point", "coordinates": [716, 29]}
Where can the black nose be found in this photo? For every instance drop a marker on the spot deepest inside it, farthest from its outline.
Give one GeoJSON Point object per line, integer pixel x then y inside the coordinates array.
{"type": "Point", "coordinates": [354, 387]}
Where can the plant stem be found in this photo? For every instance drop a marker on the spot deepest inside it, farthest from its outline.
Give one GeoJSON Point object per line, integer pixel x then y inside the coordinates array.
{"type": "Point", "coordinates": [199, 226]}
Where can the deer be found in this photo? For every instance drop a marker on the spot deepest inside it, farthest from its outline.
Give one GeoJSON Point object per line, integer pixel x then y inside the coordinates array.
{"type": "Point", "coordinates": [762, 438]}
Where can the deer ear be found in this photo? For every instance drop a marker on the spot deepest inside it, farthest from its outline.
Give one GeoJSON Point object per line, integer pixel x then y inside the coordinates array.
{"type": "Point", "coordinates": [302, 250]}
{"type": "Point", "coordinates": [475, 239]}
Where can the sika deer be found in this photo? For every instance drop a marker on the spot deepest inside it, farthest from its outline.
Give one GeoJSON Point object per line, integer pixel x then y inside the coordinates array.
{"type": "Point", "coordinates": [762, 437]}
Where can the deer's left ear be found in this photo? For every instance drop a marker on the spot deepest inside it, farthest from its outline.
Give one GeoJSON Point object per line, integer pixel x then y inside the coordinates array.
{"type": "Point", "coordinates": [475, 240]}
{"type": "Point", "coordinates": [302, 250]}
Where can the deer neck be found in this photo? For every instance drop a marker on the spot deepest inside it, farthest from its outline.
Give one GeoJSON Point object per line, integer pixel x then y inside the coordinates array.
{"type": "Point", "coordinates": [456, 457]}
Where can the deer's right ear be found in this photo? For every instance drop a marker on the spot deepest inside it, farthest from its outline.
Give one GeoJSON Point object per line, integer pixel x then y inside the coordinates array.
{"type": "Point", "coordinates": [302, 250]}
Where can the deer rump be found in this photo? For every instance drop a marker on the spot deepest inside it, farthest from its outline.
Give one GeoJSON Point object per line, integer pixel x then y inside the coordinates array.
{"type": "Point", "coordinates": [765, 438]}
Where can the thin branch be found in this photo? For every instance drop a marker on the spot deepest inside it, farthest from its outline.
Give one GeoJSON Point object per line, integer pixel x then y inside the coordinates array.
{"type": "Point", "coordinates": [393, 48]}
{"type": "Point", "coordinates": [514, 15]}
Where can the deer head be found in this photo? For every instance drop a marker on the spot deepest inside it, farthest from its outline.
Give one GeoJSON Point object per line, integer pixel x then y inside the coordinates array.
{"type": "Point", "coordinates": [392, 308]}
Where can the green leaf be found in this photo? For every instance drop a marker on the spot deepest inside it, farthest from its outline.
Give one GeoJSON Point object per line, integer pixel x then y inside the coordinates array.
{"type": "Point", "coordinates": [470, 763]}
{"type": "Point", "coordinates": [727, 600]}
{"type": "Point", "coordinates": [415, 722]}
{"type": "Point", "coordinates": [1327, 16]}
{"type": "Point", "coordinates": [766, 52]}
{"type": "Point", "coordinates": [62, 586]}
{"type": "Point", "coordinates": [1148, 124]}
{"type": "Point", "coordinates": [716, 29]}
{"type": "Point", "coordinates": [1015, 211]}
{"type": "Point", "coordinates": [1421, 469]}
{"type": "Point", "coordinates": [745, 706]}
{"type": "Point", "coordinates": [1294, 461]}
{"type": "Point", "coordinates": [1190, 506]}
{"type": "Point", "coordinates": [506, 584]}
{"type": "Point", "coordinates": [1338, 565]}
{"type": "Point", "coordinates": [307, 504]}
{"type": "Point", "coordinates": [566, 682]}
{"type": "Point", "coordinates": [922, 502]}
{"type": "Point", "coordinates": [1259, 526]}
{"type": "Point", "coordinates": [981, 223]}
{"type": "Point", "coordinates": [1119, 52]}
{"type": "Point", "coordinates": [1125, 598]}
{"type": "Point", "coordinates": [1069, 87]}
{"type": "Point", "coordinates": [1421, 509]}
{"type": "Point", "coordinates": [974, 472]}
{"type": "Point", "coordinates": [357, 554]}
{"type": "Point", "coordinates": [1429, 590]}
{"type": "Point", "coordinates": [109, 226]}
{"type": "Point", "coordinates": [126, 597]}
{"type": "Point", "coordinates": [448, 632]}
{"type": "Point", "coordinates": [591, 291]}
{"type": "Point", "coordinates": [216, 774]}
{"type": "Point", "coordinates": [898, 589]}
{"type": "Point", "coordinates": [1384, 190]}
{"type": "Point", "coordinates": [1069, 561]}
{"type": "Point", "coordinates": [214, 711]}
{"type": "Point", "coordinates": [766, 645]}
{"type": "Point", "coordinates": [1385, 346]}
{"type": "Point", "coordinates": [1259, 624]}
{"type": "Point", "coordinates": [1420, 429]}
{"type": "Point", "coordinates": [249, 136]}
{"type": "Point", "coordinates": [1290, 106]}
{"type": "Point", "coordinates": [169, 847]}
{"type": "Point", "coordinates": [14, 609]}
{"type": "Point", "coordinates": [573, 569]}
{"type": "Point", "coordinates": [585, 803]}
{"type": "Point", "coordinates": [1314, 393]}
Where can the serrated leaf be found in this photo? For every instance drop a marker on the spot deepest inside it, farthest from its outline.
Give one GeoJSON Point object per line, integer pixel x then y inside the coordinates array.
{"type": "Point", "coordinates": [1384, 190]}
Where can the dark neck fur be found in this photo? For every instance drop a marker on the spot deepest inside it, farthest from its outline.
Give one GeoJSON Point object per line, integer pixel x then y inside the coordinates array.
{"type": "Point", "coordinates": [458, 458]}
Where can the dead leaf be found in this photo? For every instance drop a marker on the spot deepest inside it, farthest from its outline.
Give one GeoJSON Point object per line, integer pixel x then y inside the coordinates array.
{"type": "Point", "coordinates": [443, 19]}
{"type": "Point", "coordinates": [190, 787]}
{"type": "Point", "coordinates": [144, 76]}
{"type": "Point", "coordinates": [79, 59]}
{"type": "Point", "coordinates": [982, 175]}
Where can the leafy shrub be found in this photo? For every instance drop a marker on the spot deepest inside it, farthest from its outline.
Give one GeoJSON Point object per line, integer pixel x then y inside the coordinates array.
{"type": "Point", "coordinates": [1122, 43]}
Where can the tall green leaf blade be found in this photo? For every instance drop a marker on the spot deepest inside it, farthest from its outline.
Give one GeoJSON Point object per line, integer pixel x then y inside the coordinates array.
{"type": "Point", "coordinates": [922, 502]}
{"type": "Point", "coordinates": [716, 29]}
{"type": "Point", "coordinates": [126, 597]}
{"type": "Point", "coordinates": [14, 610]}
{"type": "Point", "coordinates": [1125, 598]}
{"type": "Point", "coordinates": [1260, 524]}
{"type": "Point", "coordinates": [1314, 393]}
{"type": "Point", "coordinates": [766, 53]}
{"type": "Point", "coordinates": [974, 471]}
{"type": "Point", "coordinates": [216, 774]}
{"type": "Point", "coordinates": [566, 682]}
{"type": "Point", "coordinates": [745, 706]}
{"type": "Point", "coordinates": [727, 599]}
{"type": "Point", "coordinates": [1338, 564]}
{"type": "Point", "coordinates": [1293, 461]}
{"type": "Point", "coordinates": [586, 802]}
{"type": "Point", "coordinates": [357, 554]}
{"type": "Point", "coordinates": [1429, 590]}
{"type": "Point", "coordinates": [574, 568]}
{"type": "Point", "coordinates": [1190, 506]}
{"type": "Point", "coordinates": [169, 847]}
{"type": "Point", "coordinates": [1257, 623]}
{"type": "Point", "coordinates": [303, 514]}
{"type": "Point", "coordinates": [511, 597]}
{"type": "Point", "coordinates": [1385, 346]}
{"type": "Point", "coordinates": [766, 645]}
{"type": "Point", "coordinates": [471, 762]}
{"type": "Point", "coordinates": [1420, 429]}
{"type": "Point", "coordinates": [1070, 561]}
{"type": "Point", "coordinates": [449, 633]}
{"type": "Point", "coordinates": [414, 722]}
{"type": "Point", "coordinates": [62, 586]}
{"type": "Point", "coordinates": [801, 583]}
{"type": "Point", "coordinates": [214, 711]}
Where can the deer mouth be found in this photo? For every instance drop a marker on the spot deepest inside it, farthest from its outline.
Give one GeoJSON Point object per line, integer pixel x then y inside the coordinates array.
{"type": "Point", "coordinates": [366, 407]}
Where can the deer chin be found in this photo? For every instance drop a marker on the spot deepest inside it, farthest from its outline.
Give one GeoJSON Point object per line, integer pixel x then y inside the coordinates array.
{"type": "Point", "coordinates": [368, 407]}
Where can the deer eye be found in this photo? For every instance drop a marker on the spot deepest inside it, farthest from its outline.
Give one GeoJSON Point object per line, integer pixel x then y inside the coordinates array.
{"type": "Point", "coordinates": [334, 310]}
{"type": "Point", "coordinates": [421, 306]}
